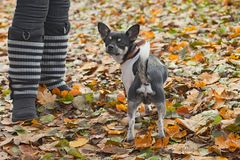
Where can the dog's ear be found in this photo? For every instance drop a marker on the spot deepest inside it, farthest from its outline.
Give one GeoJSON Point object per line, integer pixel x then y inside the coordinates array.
{"type": "Point", "coordinates": [133, 32]}
{"type": "Point", "coordinates": [103, 30]}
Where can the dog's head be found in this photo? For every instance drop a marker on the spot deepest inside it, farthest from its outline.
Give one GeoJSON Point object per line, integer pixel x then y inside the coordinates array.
{"type": "Point", "coordinates": [118, 43]}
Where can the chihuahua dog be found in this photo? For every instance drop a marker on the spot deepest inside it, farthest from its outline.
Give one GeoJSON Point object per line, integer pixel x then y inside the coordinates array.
{"type": "Point", "coordinates": [143, 74]}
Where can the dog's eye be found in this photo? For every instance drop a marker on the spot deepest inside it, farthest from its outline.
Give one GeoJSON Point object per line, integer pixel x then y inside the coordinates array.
{"type": "Point", "coordinates": [119, 39]}
{"type": "Point", "coordinates": [110, 37]}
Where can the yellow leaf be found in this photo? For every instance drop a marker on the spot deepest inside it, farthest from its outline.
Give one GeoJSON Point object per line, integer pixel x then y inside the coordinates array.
{"type": "Point", "coordinates": [200, 84]}
{"type": "Point", "coordinates": [190, 29]}
{"type": "Point", "coordinates": [79, 142]}
{"type": "Point", "coordinates": [234, 56]}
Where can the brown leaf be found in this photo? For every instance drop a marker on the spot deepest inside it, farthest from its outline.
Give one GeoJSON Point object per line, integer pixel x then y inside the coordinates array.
{"type": "Point", "coordinates": [231, 142]}
{"type": "Point", "coordinates": [161, 142]}
{"type": "Point", "coordinates": [187, 148]}
{"type": "Point", "coordinates": [143, 141]}
{"type": "Point", "coordinates": [209, 78]}
{"type": "Point", "coordinates": [195, 123]}
{"type": "Point", "coordinates": [46, 97]}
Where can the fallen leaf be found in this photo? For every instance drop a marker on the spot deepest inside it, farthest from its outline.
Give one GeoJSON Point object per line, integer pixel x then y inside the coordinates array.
{"type": "Point", "coordinates": [209, 78]}
{"type": "Point", "coordinates": [79, 142]}
{"type": "Point", "coordinates": [195, 123]}
{"type": "Point", "coordinates": [161, 142]}
{"type": "Point", "coordinates": [121, 107]}
{"type": "Point", "coordinates": [143, 141]}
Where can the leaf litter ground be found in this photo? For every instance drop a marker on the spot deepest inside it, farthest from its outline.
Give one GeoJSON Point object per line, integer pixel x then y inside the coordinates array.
{"type": "Point", "coordinates": [198, 40]}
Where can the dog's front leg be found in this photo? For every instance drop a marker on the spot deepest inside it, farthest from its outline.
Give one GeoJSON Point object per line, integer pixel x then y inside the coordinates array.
{"type": "Point", "coordinates": [132, 108]}
{"type": "Point", "coordinates": [161, 114]}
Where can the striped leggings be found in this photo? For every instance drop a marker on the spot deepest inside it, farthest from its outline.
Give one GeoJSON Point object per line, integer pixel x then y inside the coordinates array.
{"type": "Point", "coordinates": [37, 46]}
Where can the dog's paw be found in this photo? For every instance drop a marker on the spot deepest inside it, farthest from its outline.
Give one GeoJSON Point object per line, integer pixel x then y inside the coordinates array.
{"type": "Point", "coordinates": [130, 137]}
{"type": "Point", "coordinates": [161, 134]}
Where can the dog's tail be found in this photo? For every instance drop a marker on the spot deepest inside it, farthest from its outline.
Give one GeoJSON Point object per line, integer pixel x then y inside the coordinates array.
{"type": "Point", "coordinates": [142, 65]}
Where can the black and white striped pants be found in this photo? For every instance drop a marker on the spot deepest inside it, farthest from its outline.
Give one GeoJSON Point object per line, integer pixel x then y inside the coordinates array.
{"type": "Point", "coordinates": [37, 45]}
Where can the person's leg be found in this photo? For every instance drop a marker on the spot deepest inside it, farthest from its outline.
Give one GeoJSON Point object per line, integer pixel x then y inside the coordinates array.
{"type": "Point", "coordinates": [25, 49]}
{"type": "Point", "coordinates": [55, 45]}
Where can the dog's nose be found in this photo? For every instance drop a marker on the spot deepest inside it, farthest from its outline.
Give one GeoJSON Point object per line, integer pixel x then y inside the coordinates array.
{"type": "Point", "coordinates": [110, 47]}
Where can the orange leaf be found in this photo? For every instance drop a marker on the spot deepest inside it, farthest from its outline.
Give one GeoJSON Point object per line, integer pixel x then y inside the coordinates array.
{"type": "Point", "coordinates": [173, 57]}
{"type": "Point", "coordinates": [148, 34]}
{"type": "Point", "coordinates": [76, 86]}
{"type": "Point", "coordinates": [183, 44]}
{"type": "Point", "coordinates": [161, 142]}
{"type": "Point", "coordinates": [172, 130]}
{"type": "Point", "coordinates": [141, 108]}
{"type": "Point", "coordinates": [155, 11]}
{"type": "Point", "coordinates": [231, 142]}
{"type": "Point", "coordinates": [115, 132]}
{"type": "Point", "coordinates": [121, 107]}
{"type": "Point", "coordinates": [200, 84]}
{"type": "Point", "coordinates": [238, 49]}
{"type": "Point", "coordinates": [121, 98]}
{"type": "Point", "coordinates": [237, 29]}
{"type": "Point", "coordinates": [56, 91]}
{"type": "Point", "coordinates": [64, 93]}
{"type": "Point", "coordinates": [143, 141]}
{"type": "Point", "coordinates": [198, 57]}
{"type": "Point", "coordinates": [141, 19]}
{"type": "Point", "coordinates": [74, 92]}
{"type": "Point", "coordinates": [182, 110]}
{"type": "Point", "coordinates": [67, 120]}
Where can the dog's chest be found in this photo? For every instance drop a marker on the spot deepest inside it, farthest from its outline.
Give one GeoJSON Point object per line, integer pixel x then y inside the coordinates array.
{"type": "Point", "coordinates": [127, 72]}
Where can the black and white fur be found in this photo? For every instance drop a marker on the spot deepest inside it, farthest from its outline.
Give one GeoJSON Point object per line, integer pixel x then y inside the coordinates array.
{"type": "Point", "coordinates": [143, 75]}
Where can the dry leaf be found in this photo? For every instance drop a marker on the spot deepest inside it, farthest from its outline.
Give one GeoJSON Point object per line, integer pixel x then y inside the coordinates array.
{"type": "Point", "coordinates": [209, 78]}
{"type": "Point", "coordinates": [161, 142]}
{"type": "Point", "coordinates": [143, 141]}
{"type": "Point", "coordinates": [195, 123]}
{"type": "Point", "coordinates": [121, 107]}
{"type": "Point", "coordinates": [79, 142]}
{"type": "Point", "coordinates": [46, 97]}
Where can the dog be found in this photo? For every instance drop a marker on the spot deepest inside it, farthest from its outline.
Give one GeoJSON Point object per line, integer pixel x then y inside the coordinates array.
{"type": "Point", "coordinates": [143, 74]}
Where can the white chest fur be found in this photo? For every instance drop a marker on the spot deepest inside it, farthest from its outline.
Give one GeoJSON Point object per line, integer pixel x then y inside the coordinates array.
{"type": "Point", "coordinates": [127, 67]}
{"type": "Point", "coordinates": [127, 72]}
